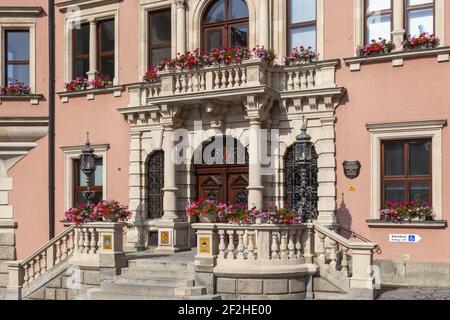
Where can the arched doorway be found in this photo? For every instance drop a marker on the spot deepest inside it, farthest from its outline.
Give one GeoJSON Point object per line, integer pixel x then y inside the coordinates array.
{"type": "Point", "coordinates": [225, 24]}
{"type": "Point", "coordinates": [222, 171]}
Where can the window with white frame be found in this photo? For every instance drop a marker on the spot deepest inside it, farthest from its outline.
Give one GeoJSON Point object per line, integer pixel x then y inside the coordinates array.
{"type": "Point", "coordinates": [91, 39]}
{"type": "Point", "coordinates": [378, 20]}
{"type": "Point", "coordinates": [302, 23]}
{"type": "Point", "coordinates": [419, 16]}
{"type": "Point", "coordinates": [406, 163]}
{"type": "Point", "coordinates": [18, 45]}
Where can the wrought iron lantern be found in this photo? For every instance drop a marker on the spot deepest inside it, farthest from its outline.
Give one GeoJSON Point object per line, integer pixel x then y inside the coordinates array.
{"type": "Point", "coordinates": [88, 166]}
{"type": "Point", "coordinates": [301, 175]}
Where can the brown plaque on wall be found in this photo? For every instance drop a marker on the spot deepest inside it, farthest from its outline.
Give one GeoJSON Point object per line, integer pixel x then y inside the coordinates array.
{"type": "Point", "coordinates": [352, 169]}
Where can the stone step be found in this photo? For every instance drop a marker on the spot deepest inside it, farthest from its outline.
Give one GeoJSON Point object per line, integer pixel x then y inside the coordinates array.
{"type": "Point", "coordinates": [100, 295]}
{"type": "Point", "coordinates": [148, 273]}
{"type": "Point", "coordinates": [135, 288]}
{"type": "Point", "coordinates": [170, 282]}
{"type": "Point", "coordinates": [331, 296]}
{"type": "Point", "coordinates": [152, 264]}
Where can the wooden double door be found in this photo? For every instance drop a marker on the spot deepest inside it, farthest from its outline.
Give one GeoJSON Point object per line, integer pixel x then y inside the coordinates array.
{"type": "Point", "coordinates": [225, 183]}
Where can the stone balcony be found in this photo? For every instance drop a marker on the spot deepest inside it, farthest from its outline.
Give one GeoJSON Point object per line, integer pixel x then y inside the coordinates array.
{"type": "Point", "coordinates": [311, 81]}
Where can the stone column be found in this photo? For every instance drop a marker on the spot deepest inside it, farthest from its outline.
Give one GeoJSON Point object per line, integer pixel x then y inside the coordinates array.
{"type": "Point", "coordinates": [398, 24]}
{"type": "Point", "coordinates": [327, 174]}
{"type": "Point", "coordinates": [255, 188]}
{"type": "Point", "coordinates": [264, 26]}
{"type": "Point", "coordinates": [135, 237]}
{"type": "Point", "coordinates": [258, 109]}
{"type": "Point", "coordinates": [181, 25]}
{"type": "Point", "coordinates": [92, 50]}
{"type": "Point", "coordinates": [173, 231]}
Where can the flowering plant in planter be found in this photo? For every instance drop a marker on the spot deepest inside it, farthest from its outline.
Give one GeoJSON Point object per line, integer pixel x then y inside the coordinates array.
{"type": "Point", "coordinates": [78, 84]}
{"type": "Point", "coordinates": [266, 55]}
{"type": "Point", "coordinates": [112, 211]}
{"type": "Point", "coordinates": [375, 48]}
{"type": "Point", "coordinates": [101, 81]}
{"type": "Point", "coordinates": [15, 89]}
{"type": "Point", "coordinates": [301, 55]}
{"type": "Point", "coordinates": [205, 210]}
{"type": "Point", "coordinates": [424, 40]}
{"type": "Point", "coordinates": [237, 214]}
{"type": "Point", "coordinates": [404, 210]}
{"type": "Point", "coordinates": [151, 75]}
{"type": "Point", "coordinates": [81, 214]}
{"type": "Point", "coordinates": [191, 60]}
{"type": "Point", "coordinates": [284, 216]}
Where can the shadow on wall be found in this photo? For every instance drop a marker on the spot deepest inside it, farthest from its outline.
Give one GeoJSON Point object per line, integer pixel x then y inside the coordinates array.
{"type": "Point", "coordinates": [344, 219]}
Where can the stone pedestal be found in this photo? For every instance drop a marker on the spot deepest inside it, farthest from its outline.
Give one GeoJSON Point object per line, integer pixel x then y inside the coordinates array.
{"type": "Point", "coordinates": [173, 236]}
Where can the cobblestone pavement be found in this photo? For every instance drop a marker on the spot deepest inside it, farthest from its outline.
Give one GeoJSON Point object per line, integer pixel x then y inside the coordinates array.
{"type": "Point", "coordinates": [415, 293]}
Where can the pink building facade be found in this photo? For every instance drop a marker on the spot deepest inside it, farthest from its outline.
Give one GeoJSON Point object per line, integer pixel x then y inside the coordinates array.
{"type": "Point", "coordinates": [388, 111]}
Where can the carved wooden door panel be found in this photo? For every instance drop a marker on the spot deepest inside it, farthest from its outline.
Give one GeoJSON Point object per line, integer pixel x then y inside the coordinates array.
{"type": "Point", "coordinates": [237, 188]}
{"type": "Point", "coordinates": [211, 187]}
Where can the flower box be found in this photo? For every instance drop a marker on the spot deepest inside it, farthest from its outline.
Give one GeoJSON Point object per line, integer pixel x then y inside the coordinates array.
{"type": "Point", "coordinates": [405, 211]}
{"type": "Point", "coordinates": [382, 46]}
{"type": "Point", "coordinates": [424, 40]}
{"type": "Point", "coordinates": [104, 211]}
{"type": "Point", "coordinates": [15, 89]}
{"type": "Point", "coordinates": [81, 83]}
{"type": "Point", "coordinates": [301, 55]}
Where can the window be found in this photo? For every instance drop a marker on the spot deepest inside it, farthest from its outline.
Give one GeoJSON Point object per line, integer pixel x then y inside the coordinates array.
{"type": "Point", "coordinates": [159, 36]}
{"type": "Point", "coordinates": [105, 49]}
{"type": "Point", "coordinates": [406, 170]}
{"type": "Point", "coordinates": [17, 56]}
{"type": "Point", "coordinates": [226, 24]}
{"type": "Point", "coordinates": [155, 184]}
{"type": "Point", "coordinates": [81, 50]}
{"type": "Point", "coordinates": [302, 26]}
{"type": "Point", "coordinates": [378, 19]}
{"type": "Point", "coordinates": [80, 183]}
{"type": "Point", "coordinates": [419, 16]}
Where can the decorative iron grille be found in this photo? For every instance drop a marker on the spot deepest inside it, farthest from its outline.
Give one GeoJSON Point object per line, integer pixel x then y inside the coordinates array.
{"type": "Point", "coordinates": [301, 184]}
{"type": "Point", "coordinates": [155, 184]}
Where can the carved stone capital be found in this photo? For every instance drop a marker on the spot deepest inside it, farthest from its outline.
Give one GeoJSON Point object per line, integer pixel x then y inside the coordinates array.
{"type": "Point", "coordinates": [257, 107]}
{"type": "Point", "coordinates": [171, 116]}
{"type": "Point", "coordinates": [180, 4]}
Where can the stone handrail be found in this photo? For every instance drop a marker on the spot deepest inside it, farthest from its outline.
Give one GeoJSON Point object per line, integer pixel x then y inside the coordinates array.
{"type": "Point", "coordinates": [358, 269]}
{"type": "Point", "coordinates": [23, 273]}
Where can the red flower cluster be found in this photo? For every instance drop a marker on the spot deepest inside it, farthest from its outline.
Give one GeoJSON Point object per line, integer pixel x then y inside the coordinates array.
{"type": "Point", "coordinates": [81, 83]}
{"type": "Point", "coordinates": [375, 47]}
{"type": "Point", "coordinates": [396, 211]}
{"type": "Point", "coordinates": [424, 40]}
{"type": "Point", "coordinates": [151, 75]}
{"type": "Point", "coordinates": [105, 210]}
{"type": "Point", "coordinates": [15, 88]}
{"type": "Point", "coordinates": [301, 55]}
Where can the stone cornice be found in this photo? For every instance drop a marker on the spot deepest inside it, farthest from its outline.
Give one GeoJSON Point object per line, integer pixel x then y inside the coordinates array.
{"type": "Point", "coordinates": [74, 149]}
{"type": "Point", "coordinates": [15, 11]}
{"type": "Point", "coordinates": [408, 125]}
{"type": "Point", "coordinates": [83, 4]}
{"type": "Point", "coordinates": [23, 121]}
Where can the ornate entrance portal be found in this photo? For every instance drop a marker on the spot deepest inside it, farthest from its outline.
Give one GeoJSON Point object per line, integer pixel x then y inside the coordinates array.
{"type": "Point", "coordinates": [223, 172]}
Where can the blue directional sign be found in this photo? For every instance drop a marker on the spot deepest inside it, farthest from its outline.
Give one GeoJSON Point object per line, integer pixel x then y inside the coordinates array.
{"type": "Point", "coordinates": [405, 238]}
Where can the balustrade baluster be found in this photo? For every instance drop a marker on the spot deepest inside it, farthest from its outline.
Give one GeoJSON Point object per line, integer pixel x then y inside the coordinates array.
{"type": "Point", "coordinates": [311, 79]}
{"type": "Point", "coordinates": [274, 247]}
{"type": "Point", "coordinates": [251, 255]}
{"type": "Point", "coordinates": [291, 245]}
{"type": "Point", "coordinates": [344, 262]}
{"type": "Point", "coordinates": [86, 240]}
{"type": "Point", "coordinates": [240, 248]}
{"type": "Point", "coordinates": [283, 246]}
{"type": "Point", "coordinates": [333, 254]}
{"type": "Point", "coordinates": [321, 249]}
{"type": "Point", "coordinates": [244, 76]}
{"type": "Point", "coordinates": [37, 266]}
{"type": "Point", "coordinates": [72, 243]}
{"type": "Point", "coordinates": [217, 79]}
{"type": "Point", "coordinates": [31, 274]}
{"type": "Point", "coordinates": [203, 81]}
{"type": "Point", "coordinates": [58, 252]}
{"type": "Point", "coordinates": [303, 80]}
{"type": "Point", "coordinates": [80, 240]}
{"type": "Point", "coordinates": [229, 78]}
{"type": "Point", "coordinates": [222, 246]}
{"type": "Point", "coordinates": [44, 261]}
{"type": "Point", "coordinates": [177, 84]}
{"type": "Point", "coordinates": [290, 81]}
{"type": "Point", "coordinates": [93, 244]}
{"type": "Point", "coordinates": [298, 84]}
{"type": "Point", "coordinates": [298, 243]}
{"type": "Point", "coordinates": [26, 276]}
{"type": "Point", "coordinates": [64, 247]}
{"type": "Point", "coordinates": [231, 247]}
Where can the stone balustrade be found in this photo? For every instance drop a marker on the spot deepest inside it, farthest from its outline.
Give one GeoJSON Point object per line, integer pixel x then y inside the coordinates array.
{"type": "Point", "coordinates": [89, 247]}
{"type": "Point", "coordinates": [267, 251]}
{"type": "Point", "coordinates": [252, 76]}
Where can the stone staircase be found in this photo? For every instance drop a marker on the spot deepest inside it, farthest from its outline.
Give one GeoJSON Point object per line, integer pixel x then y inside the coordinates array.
{"type": "Point", "coordinates": [153, 278]}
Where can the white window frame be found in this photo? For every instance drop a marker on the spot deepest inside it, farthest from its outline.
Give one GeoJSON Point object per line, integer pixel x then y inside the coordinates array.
{"type": "Point", "coordinates": [24, 22]}
{"type": "Point", "coordinates": [81, 12]}
{"type": "Point", "coordinates": [72, 153]}
{"type": "Point", "coordinates": [147, 6]}
{"type": "Point", "coordinates": [398, 22]}
{"type": "Point", "coordinates": [431, 129]}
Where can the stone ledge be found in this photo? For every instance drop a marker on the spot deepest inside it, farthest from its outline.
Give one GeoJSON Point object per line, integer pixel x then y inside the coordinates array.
{"type": "Point", "coordinates": [33, 98]}
{"type": "Point", "coordinates": [440, 224]}
{"type": "Point", "coordinates": [90, 93]}
{"type": "Point", "coordinates": [398, 57]}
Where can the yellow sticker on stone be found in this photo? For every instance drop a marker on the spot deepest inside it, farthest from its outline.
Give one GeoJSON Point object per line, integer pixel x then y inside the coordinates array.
{"type": "Point", "coordinates": [205, 245]}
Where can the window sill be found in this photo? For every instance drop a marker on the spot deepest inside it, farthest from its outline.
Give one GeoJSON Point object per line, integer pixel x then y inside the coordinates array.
{"type": "Point", "coordinates": [90, 93]}
{"type": "Point", "coordinates": [439, 224]}
{"type": "Point", "coordinates": [33, 98]}
{"type": "Point", "coordinates": [398, 57]}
